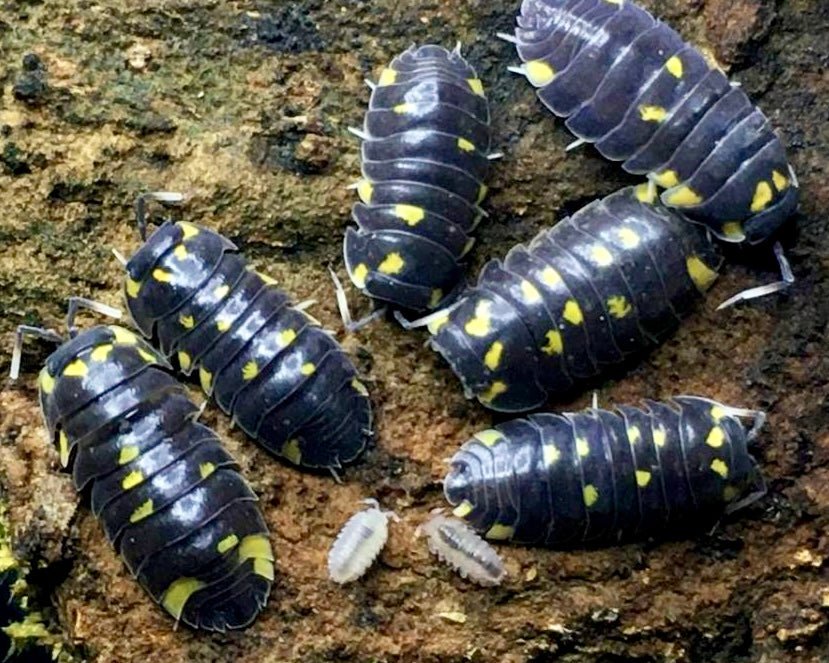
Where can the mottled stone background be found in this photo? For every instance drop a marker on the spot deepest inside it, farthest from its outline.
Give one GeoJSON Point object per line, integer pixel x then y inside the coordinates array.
{"type": "Point", "coordinates": [244, 106]}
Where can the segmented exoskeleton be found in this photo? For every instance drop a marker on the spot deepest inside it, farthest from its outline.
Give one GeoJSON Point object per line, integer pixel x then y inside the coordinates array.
{"type": "Point", "coordinates": [170, 498]}
{"type": "Point", "coordinates": [607, 283]}
{"type": "Point", "coordinates": [630, 85]}
{"type": "Point", "coordinates": [425, 154]}
{"type": "Point", "coordinates": [600, 476]}
{"type": "Point", "coordinates": [283, 379]}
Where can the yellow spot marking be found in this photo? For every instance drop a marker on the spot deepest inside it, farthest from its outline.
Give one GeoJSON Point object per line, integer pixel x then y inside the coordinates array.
{"type": "Point", "coordinates": [359, 387]}
{"type": "Point", "coordinates": [539, 73]}
{"type": "Point", "coordinates": [643, 478]}
{"type": "Point", "coordinates": [476, 86]}
{"type": "Point", "coordinates": [401, 109]}
{"type": "Point", "coordinates": [149, 357]}
{"type": "Point", "coordinates": [482, 193]}
{"type": "Point", "coordinates": [572, 312]}
{"type": "Point", "coordinates": [674, 66]}
{"type": "Point", "coordinates": [781, 182]}
{"type": "Point", "coordinates": [701, 274]}
{"type": "Point", "coordinates": [719, 466]}
{"type": "Point", "coordinates": [499, 532]}
{"type": "Point", "coordinates": [630, 239]}
{"type": "Point", "coordinates": [435, 297]}
{"type": "Point", "coordinates": [729, 493]}
{"type": "Point", "coordinates": [618, 306]}
{"type": "Point", "coordinates": [180, 252]}
{"type": "Point", "coordinates": [146, 509]}
{"type": "Point", "coordinates": [205, 378]}
{"type": "Point", "coordinates": [123, 335]}
{"type": "Point", "coordinates": [489, 437]}
{"type": "Point", "coordinates": [365, 190]}
{"type": "Point", "coordinates": [264, 568]}
{"type": "Point", "coordinates": [307, 368]}
{"type": "Point", "coordinates": [550, 277]}
{"type": "Point", "coordinates": [493, 355]}
{"type": "Point", "coordinates": [63, 449]}
{"type": "Point", "coordinates": [178, 593]}
{"type": "Point", "coordinates": [591, 495]}
{"type": "Point", "coordinates": [645, 193]}
{"type": "Point", "coordinates": [184, 360]}
{"type": "Point", "coordinates": [206, 469]}
{"type": "Point", "coordinates": [762, 197]}
{"type": "Point", "coordinates": [290, 451]}
{"type": "Point", "coordinates": [221, 291]}
{"type": "Point", "coordinates": [358, 276]}
{"type": "Point", "coordinates": [659, 437]}
{"type": "Point", "coordinates": [653, 113]}
{"type": "Point", "coordinates": [222, 325]}
{"type": "Point", "coordinates": [269, 280]}
{"type": "Point", "coordinates": [634, 434]}
{"type": "Point", "coordinates": [132, 479]}
{"type": "Point", "coordinates": [582, 447]}
{"type": "Point", "coordinates": [387, 77]}
{"type": "Point", "coordinates": [250, 370]}
{"type": "Point", "coordinates": [128, 454]}
{"type": "Point", "coordinates": [667, 179]}
{"type": "Point", "coordinates": [733, 230]}
{"type": "Point", "coordinates": [495, 389]}
{"type": "Point", "coordinates": [286, 337]}
{"type": "Point", "coordinates": [463, 509]}
{"type": "Point", "coordinates": [255, 546]}
{"type": "Point", "coordinates": [101, 352]}
{"type": "Point", "coordinates": [46, 382]}
{"type": "Point", "coordinates": [718, 413]}
{"type": "Point", "coordinates": [480, 324]}
{"type": "Point", "coordinates": [77, 369]}
{"type": "Point", "coordinates": [683, 196]}
{"type": "Point", "coordinates": [392, 264]}
{"type": "Point", "coordinates": [530, 292]}
{"type": "Point", "coordinates": [188, 229]}
{"type": "Point", "coordinates": [162, 276]}
{"type": "Point", "coordinates": [550, 454]}
{"type": "Point", "coordinates": [466, 145]}
{"type": "Point", "coordinates": [555, 343]}
{"type": "Point", "coordinates": [411, 214]}
{"type": "Point", "coordinates": [435, 325]}
{"type": "Point", "coordinates": [133, 287]}
{"type": "Point", "coordinates": [715, 438]}
{"type": "Point", "coordinates": [186, 321]}
{"type": "Point", "coordinates": [227, 543]}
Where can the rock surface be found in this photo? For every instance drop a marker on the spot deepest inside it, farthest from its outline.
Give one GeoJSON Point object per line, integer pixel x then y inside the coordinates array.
{"type": "Point", "coordinates": [244, 106]}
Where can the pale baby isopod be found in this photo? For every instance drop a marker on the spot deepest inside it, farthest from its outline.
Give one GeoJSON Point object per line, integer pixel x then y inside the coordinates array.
{"type": "Point", "coordinates": [359, 542]}
{"type": "Point", "coordinates": [461, 548]}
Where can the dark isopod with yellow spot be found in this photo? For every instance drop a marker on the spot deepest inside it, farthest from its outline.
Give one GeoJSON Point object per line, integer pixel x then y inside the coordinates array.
{"type": "Point", "coordinates": [630, 85]}
{"type": "Point", "coordinates": [425, 157]}
{"type": "Point", "coordinates": [285, 381]}
{"type": "Point", "coordinates": [599, 287]}
{"type": "Point", "coordinates": [170, 498]}
{"type": "Point", "coordinates": [600, 476]}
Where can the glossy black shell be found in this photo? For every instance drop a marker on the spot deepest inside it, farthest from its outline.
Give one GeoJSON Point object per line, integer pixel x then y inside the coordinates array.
{"type": "Point", "coordinates": [285, 381]}
{"type": "Point", "coordinates": [170, 498]}
{"type": "Point", "coordinates": [630, 85]}
{"type": "Point", "coordinates": [424, 163]}
{"type": "Point", "coordinates": [605, 284]}
{"type": "Point", "coordinates": [598, 476]}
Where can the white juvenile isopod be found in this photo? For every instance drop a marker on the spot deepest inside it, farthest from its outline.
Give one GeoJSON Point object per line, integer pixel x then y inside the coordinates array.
{"type": "Point", "coordinates": [359, 542]}
{"type": "Point", "coordinates": [461, 548]}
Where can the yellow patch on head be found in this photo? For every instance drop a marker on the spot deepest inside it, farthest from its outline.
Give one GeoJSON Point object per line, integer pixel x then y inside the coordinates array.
{"type": "Point", "coordinates": [719, 466]}
{"type": "Point", "coordinates": [285, 337]}
{"type": "Point", "coordinates": [718, 413]}
{"type": "Point", "coordinates": [659, 436]}
{"type": "Point", "coordinates": [393, 263]}
{"type": "Point", "coordinates": [184, 360]}
{"type": "Point", "coordinates": [411, 214]}
{"type": "Point", "coordinates": [227, 543]}
{"type": "Point", "coordinates": [402, 109]}
{"type": "Point", "coordinates": [128, 454]}
{"type": "Point", "coordinates": [643, 478]}
{"type": "Point", "coordinates": [645, 193]}
{"type": "Point", "coordinates": [618, 306]}
{"type": "Point", "coordinates": [365, 190]}
{"type": "Point", "coordinates": [46, 382]}
{"type": "Point", "coordinates": [76, 369]}
{"type": "Point", "coordinates": [667, 179]}
{"type": "Point", "coordinates": [572, 312]}
{"type": "Point", "coordinates": [463, 509]}
{"type": "Point", "coordinates": [307, 368]}
{"type": "Point", "coordinates": [550, 454]}
{"type": "Point", "coordinates": [466, 145]}
{"type": "Point", "coordinates": [493, 391]}
{"type": "Point", "coordinates": [582, 448]}
{"type": "Point", "coordinates": [781, 182]}
{"type": "Point", "coordinates": [101, 352]}
{"type": "Point", "coordinates": [762, 197]}
{"type": "Point", "coordinates": [550, 277]}
{"type": "Point", "coordinates": [132, 287]}
{"type": "Point", "coordinates": [358, 276]}
{"type": "Point", "coordinates": [634, 434]}
{"type": "Point", "coordinates": [124, 336]}
{"type": "Point", "coordinates": [674, 66]}
{"type": "Point", "coordinates": [701, 274]}
{"type": "Point", "coordinates": [144, 510]}
{"type": "Point", "coordinates": [530, 292]}
{"type": "Point", "coordinates": [499, 532]}
{"type": "Point", "coordinates": [256, 546]}
{"type": "Point", "coordinates": [178, 593]}
{"type": "Point", "coordinates": [435, 297]}
{"type": "Point", "coordinates": [206, 469]}
{"type": "Point", "coordinates": [436, 323]}
{"type": "Point", "coordinates": [716, 437]}
{"type": "Point", "coordinates": [359, 387]}
{"type": "Point", "coordinates": [555, 343]}
{"type": "Point", "coordinates": [387, 77]}
{"type": "Point", "coordinates": [132, 479]}
{"type": "Point", "coordinates": [250, 370]}
{"type": "Point", "coordinates": [221, 291]}
{"type": "Point", "coordinates": [653, 113]}
{"type": "Point", "coordinates": [264, 568]}
{"type": "Point", "coordinates": [591, 495]}
{"type": "Point", "coordinates": [180, 252]}
{"type": "Point", "coordinates": [205, 379]}
{"type": "Point", "coordinates": [290, 451]}
{"type": "Point", "coordinates": [539, 73]}
{"type": "Point", "coordinates": [733, 230]}
{"type": "Point", "coordinates": [63, 448]}
{"type": "Point", "coordinates": [630, 239]}
{"type": "Point", "coordinates": [162, 276]}
{"type": "Point", "coordinates": [188, 229]}
{"type": "Point", "coordinates": [480, 324]}
{"type": "Point", "coordinates": [683, 196]}
{"type": "Point", "coordinates": [493, 356]}
{"type": "Point", "coordinates": [476, 86]}
{"type": "Point", "coordinates": [489, 437]}
{"type": "Point", "coordinates": [186, 321]}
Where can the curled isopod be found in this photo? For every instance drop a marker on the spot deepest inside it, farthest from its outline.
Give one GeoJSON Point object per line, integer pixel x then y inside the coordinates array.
{"type": "Point", "coordinates": [461, 548]}
{"type": "Point", "coordinates": [359, 542]}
